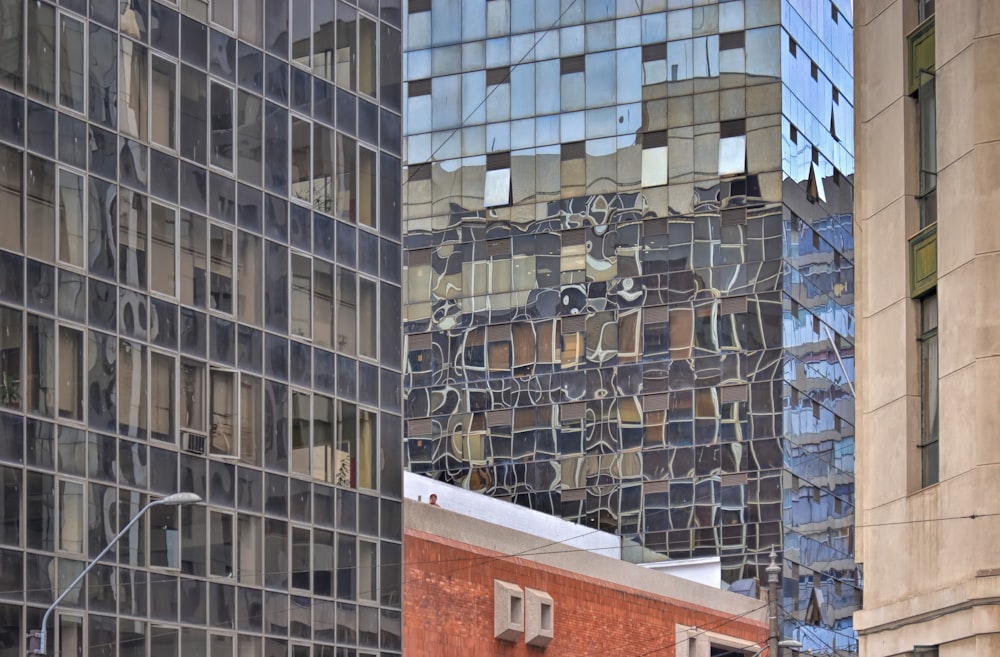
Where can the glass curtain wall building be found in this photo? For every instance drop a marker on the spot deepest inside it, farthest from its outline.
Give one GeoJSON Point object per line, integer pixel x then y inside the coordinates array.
{"type": "Point", "coordinates": [628, 280]}
{"type": "Point", "coordinates": [200, 268]}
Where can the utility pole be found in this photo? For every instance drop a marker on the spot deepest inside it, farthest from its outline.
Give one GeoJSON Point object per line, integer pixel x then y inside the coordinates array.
{"type": "Point", "coordinates": [773, 572]}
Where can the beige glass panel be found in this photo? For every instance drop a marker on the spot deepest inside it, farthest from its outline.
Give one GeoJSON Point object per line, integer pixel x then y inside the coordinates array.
{"type": "Point", "coordinates": [248, 284]}
{"type": "Point", "coordinates": [367, 56]}
{"type": "Point", "coordinates": [222, 429]}
{"type": "Point", "coordinates": [71, 219]}
{"type": "Point", "coordinates": [346, 46]}
{"type": "Point", "coordinates": [10, 194]}
{"type": "Point", "coordinates": [163, 103]}
{"type": "Point", "coordinates": [248, 21]}
{"type": "Point", "coordinates": [40, 202]}
{"type": "Point", "coordinates": [367, 570]}
{"type": "Point", "coordinates": [192, 400]}
{"type": "Point", "coordinates": [162, 379]}
{"type": "Point", "coordinates": [70, 373]}
{"type": "Point", "coordinates": [251, 425]}
{"type": "Point", "coordinates": [248, 550]}
{"type": "Point", "coordinates": [367, 187]}
{"type": "Point", "coordinates": [71, 517]}
{"type": "Point", "coordinates": [133, 105]}
{"type": "Point", "coordinates": [367, 443]}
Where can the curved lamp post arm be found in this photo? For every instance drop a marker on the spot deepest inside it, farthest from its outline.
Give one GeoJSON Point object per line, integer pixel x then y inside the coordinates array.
{"type": "Point", "coordinates": [174, 500]}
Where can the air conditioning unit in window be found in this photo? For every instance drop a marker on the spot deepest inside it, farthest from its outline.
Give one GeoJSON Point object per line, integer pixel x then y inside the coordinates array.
{"type": "Point", "coordinates": [193, 442]}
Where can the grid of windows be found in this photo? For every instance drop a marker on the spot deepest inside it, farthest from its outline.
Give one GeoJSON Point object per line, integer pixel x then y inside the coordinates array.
{"type": "Point", "coordinates": [628, 264]}
{"type": "Point", "coordinates": [200, 268]}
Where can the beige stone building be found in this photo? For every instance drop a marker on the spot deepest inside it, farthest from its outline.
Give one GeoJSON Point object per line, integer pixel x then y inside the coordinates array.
{"type": "Point", "coordinates": [928, 377]}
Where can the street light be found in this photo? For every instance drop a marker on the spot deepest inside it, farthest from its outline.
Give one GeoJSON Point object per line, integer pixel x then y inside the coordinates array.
{"type": "Point", "coordinates": [38, 638]}
{"type": "Point", "coordinates": [785, 643]}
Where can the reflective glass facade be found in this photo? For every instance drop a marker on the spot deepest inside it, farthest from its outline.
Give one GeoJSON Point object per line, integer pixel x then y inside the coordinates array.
{"type": "Point", "coordinates": [200, 269]}
{"type": "Point", "coordinates": [627, 232]}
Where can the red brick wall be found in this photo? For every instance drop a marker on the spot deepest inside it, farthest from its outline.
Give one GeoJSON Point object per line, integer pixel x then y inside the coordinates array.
{"type": "Point", "coordinates": [448, 608]}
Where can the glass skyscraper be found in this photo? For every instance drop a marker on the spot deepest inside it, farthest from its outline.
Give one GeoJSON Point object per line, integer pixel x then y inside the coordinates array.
{"type": "Point", "coordinates": [200, 269]}
{"type": "Point", "coordinates": [628, 279]}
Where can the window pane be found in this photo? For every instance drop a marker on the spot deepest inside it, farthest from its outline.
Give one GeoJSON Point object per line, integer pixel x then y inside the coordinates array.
{"type": "Point", "coordinates": [10, 189]}
{"type": "Point", "coordinates": [40, 515]}
{"type": "Point", "coordinates": [249, 282]}
{"type": "Point", "coordinates": [322, 47]}
{"type": "Point", "coordinates": [367, 187]}
{"type": "Point", "coordinates": [11, 41]}
{"type": "Point", "coordinates": [132, 85]}
{"type": "Point", "coordinates": [70, 373]}
{"type": "Point", "coordinates": [301, 439]}
{"type": "Point", "coordinates": [164, 539]}
{"type": "Point", "coordinates": [221, 544]}
{"type": "Point", "coordinates": [368, 326]}
{"type": "Point", "coordinates": [367, 432]}
{"type": "Point", "coordinates": [323, 328]}
{"type": "Point", "coordinates": [367, 570]}
{"type": "Point", "coordinates": [223, 412]}
{"type": "Point", "coordinates": [132, 231]}
{"type": "Point", "coordinates": [301, 299]}
{"type": "Point", "coordinates": [221, 292]}
{"type": "Point", "coordinates": [322, 173]}
{"type": "Point", "coordinates": [194, 112]}
{"type": "Point", "coordinates": [249, 14]}
{"type": "Point", "coordinates": [132, 390]}
{"type": "Point", "coordinates": [162, 380]}
{"type": "Point", "coordinates": [347, 305]}
{"type": "Point", "coordinates": [39, 388]}
{"type": "Point", "coordinates": [346, 44]}
{"type": "Point", "coordinates": [163, 230]}
{"type": "Point", "coordinates": [193, 396]}
{"type": "Point", "coordinates": [248, 550]}
{"type": "Point", "coordinates": [41, 51]}
{"type": "Point", "coordinates": [323, 439]}
{"type": "Point", "coordinates": [346, 167]}
{"type": "Point", "coordinates": [301, 160]}
{"type": "Point", "coordinates": [251, 402]}
{"type": "Point", "coordinates": [40, 194]}
{"type": "Point", "coordinates": [11, 391]}
{"type": "Point", "coordinates": [222, 126]}
{"type": "Point", "coordinates": [194, 260]}
{"type": "Point", "coordinates": [249, 109]}
{"type": "Point", "coordinates": [367, 54]}
{"type": "Point", "coordinates": [71, 517]}
{"type": "Point", "coordinates": [71, 226]}
{"type": "Point", "coordinates": [71, 62]}
{"type": "Point", "coordinates": [301, 31]}
{"type": "Point", "coordinates": [301, 561]}
{"type": "Point", "coordinates": [163, 102]}
{"type": "Point", "coordinates": [347, 445]}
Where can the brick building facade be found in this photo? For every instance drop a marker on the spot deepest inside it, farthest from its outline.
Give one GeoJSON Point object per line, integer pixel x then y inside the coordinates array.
{"type": "Point", "coordinates": [599, 606]}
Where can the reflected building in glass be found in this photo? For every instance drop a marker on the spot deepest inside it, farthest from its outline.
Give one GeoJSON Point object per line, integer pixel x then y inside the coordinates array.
{"type": "Point", "coordinates": [628, 276]}
{"type": "Point", "coordinates": [200, 269]}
